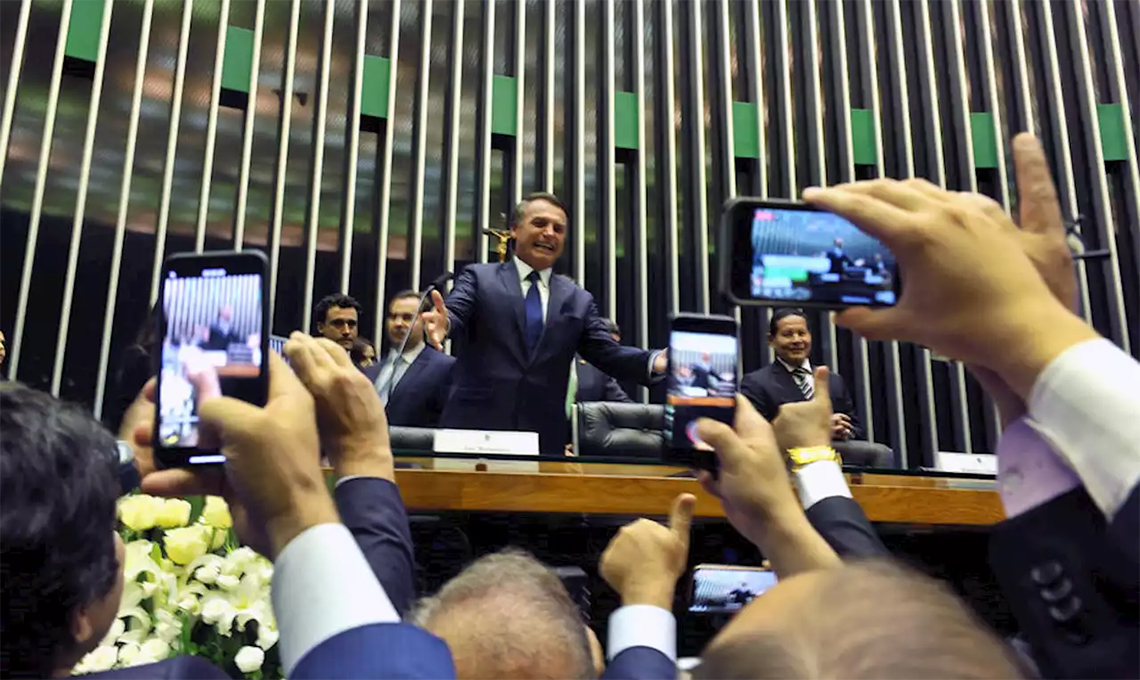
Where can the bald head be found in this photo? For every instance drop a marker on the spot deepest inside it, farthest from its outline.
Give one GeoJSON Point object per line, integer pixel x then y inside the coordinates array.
{"type": "Point", "coordinates": [508, 616]}
{"type": "Point", "coordinates": [871, 619]}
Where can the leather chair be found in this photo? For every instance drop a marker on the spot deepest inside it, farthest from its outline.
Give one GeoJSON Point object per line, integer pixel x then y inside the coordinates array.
{"type": "Point", "coordinates": [605, 428]}
{"type": "Point", "coordinates": [406, 439]}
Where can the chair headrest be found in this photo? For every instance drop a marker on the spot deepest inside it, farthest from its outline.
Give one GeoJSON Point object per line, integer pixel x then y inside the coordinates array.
{"type": "Point", "coordinates": [620, 429]}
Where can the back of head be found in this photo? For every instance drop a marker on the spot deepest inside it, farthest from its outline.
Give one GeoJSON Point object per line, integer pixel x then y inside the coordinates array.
{"type": "Point", "coordinates": [57, 549]}
{"type": "Point", "coordinates": [870, 619]}
{"type": "Point", "coordinates": [508, 616]}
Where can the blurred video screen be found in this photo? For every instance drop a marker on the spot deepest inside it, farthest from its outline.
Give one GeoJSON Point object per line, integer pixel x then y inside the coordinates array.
{"type": "Point", "coordinates": [720, 590]}
{"type": "Point", "coordinates": [701, 383]}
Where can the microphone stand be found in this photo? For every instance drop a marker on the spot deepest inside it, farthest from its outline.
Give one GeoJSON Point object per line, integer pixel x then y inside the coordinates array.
{"type": "Point", "coordinates": [434, 285]}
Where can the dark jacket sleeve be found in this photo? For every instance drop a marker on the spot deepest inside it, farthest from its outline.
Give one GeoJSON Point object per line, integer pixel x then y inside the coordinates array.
{"type": "Point", "coordinates": [614, 392]}
{"type": "Point", "coordinates": [640, 663]}
{"type": "Point", "coordinates": [754, 390]}
{"type": "Point", "coordinates": [380, 650]}
{"type": "Point", "coordinates": [178, 668]}
{"type": "Point", "coordinates": [841, 402]}
{"type": "Point", "coordinates": [373, 511]}
{"type": "Point", "coordinates": [461, 302]}
{"type": "Point", "coordinates": [1072, 588]}
{"type": "Point", "coordinates": [846, 529]}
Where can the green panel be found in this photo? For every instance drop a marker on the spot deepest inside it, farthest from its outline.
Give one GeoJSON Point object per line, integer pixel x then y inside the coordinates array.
{"type": "Point", "coordinates": [985, 140]}
{"type": "Point", "coordinates": [503, 118]}
{"type": "Point", "coordinates": [625, 120]}
{"type": "Point", "coordinates": [83, 31]}
{"type": "Point", "coordinates": [1112, 142]}
{"type": "Point", "coordinates": [863, 137]}
{"type": "Point", "coordinates": [238, 59]}
{"type": "Point", "coordinates": [745, 135]}
{"type": "Point", "coordinates": [374, 92]}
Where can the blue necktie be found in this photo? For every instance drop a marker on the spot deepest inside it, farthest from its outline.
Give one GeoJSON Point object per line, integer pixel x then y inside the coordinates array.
{"type": "Point", "coordinates": [533, 313]}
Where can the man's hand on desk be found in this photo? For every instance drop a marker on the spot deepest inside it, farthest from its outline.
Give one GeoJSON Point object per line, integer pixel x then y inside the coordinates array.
{"type": "Point", "coordinates": [754, 489]}
{"type": "Point", "coordinates": [436, 321]}
{"type": "Point", "coordinates": [645, 559]}
{"type": "Point", "coordinates": [351, 416]}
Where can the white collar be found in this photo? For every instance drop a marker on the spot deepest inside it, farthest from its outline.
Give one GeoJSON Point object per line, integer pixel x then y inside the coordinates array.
{"type": "Point", "coordinates": [806, 365]}
{"type": "Point", "coordinates": [525, 270]}
{"type": "Point", "coordinates": [410, 353]}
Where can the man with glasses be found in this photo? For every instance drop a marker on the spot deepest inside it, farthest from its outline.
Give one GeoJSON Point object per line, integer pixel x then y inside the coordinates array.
{"type": "Point", "coordinates": [338, 317]}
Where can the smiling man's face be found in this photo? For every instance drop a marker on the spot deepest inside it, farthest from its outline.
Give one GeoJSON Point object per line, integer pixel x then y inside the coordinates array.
{"type": "Point", "coordinates": [540, 234]}
{"type": "Point", "coordinates": [792, 340]}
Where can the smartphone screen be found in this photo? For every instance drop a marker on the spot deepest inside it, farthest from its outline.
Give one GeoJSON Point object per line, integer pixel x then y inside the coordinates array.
{"type": "Point", "coordinates": [702, 377]}
{"type": "Point", "coordinates": [791, 253]}
{"type": "Point", "coordinates": [213, 343]}
{"type": "Point", "coordinates": [724, 589]}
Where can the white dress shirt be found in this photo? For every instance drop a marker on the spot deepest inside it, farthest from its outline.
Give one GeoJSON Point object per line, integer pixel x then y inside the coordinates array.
{"type": "Point", "coordinates": [543, 284]}
{"type": "Point", "coordinates": [323, 586]}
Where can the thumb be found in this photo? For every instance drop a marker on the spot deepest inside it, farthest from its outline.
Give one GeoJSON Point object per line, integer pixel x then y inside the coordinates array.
{"type": "Point", "coordinates": [873, 324]}
{"type": "Point", "coordinates": [681, 516]}
{"type": "Point", "coordinates": [723, 440]}
{"type": "Point", "coordinates": [822, 386]}
{"type": "Point", "coordinates": [235, 421]}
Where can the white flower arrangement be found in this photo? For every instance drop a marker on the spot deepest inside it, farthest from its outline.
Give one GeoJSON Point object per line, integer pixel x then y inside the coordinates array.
{"type": "Point", "coordinates": [189, 589]}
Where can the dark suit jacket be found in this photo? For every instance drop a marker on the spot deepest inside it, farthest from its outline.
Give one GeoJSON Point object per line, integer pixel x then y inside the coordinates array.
{"type": "Point", "coordinates": [373, 511]}
{"type": "Point", "coordinates": [593, 385]}
{"type": "Point", "coordinates": [217, 340]}
{"type": "Point", "coordinates": [839, 260]}
{"type": "Point", "coordinates": [640, 663]}
{"type": "Point", "coordinates": [701, 376]}
{"type": "Point", "coordinates": [171, 669]}
{"type": "Point", "coordinates": [846, 529]}
{"type": "Point", "coordinates": [497, 384]}
{"type": "Point", "coordinates": [1071, 579]}
{"type": "Point", "coordinates": [772, 386]}
{"type": "Point", "coordinates": [418, 399]}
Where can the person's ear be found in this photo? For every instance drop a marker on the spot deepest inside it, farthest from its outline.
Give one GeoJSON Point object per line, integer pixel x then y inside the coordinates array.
{"type": "Point", "coordinates": [82, 626]}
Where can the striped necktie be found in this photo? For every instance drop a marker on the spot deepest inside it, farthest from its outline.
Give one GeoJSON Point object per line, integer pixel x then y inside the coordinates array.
{"type": "Point", "coordinates": [803, 378]}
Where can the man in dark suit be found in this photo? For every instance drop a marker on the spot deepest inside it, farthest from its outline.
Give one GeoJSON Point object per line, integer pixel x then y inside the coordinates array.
{"type": "Point", "coordinates": [517, 326]}
{"type": "Point", "coordinates": [593, 384]}
{"type": "Point", "coordinates": [788, 379]}
{"type": "Point", "coordinates": [222, 333]}
{"type": "Point", "coordinates": [840, 261]}
{"type": "Point", "coordinates": [413, 386]}
{"type": "Point", "coordinates": [703, 372]}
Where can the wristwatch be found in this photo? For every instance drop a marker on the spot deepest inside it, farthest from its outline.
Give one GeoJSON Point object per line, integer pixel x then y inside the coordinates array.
{"type": "Point", "coordinates": [802, 456]}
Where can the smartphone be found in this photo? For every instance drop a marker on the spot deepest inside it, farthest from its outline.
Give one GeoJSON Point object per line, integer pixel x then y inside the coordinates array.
{"type": "Point", "coordinates": [786, 252]}
{"type": "Point", "coordinates": [724, 589]}
{"type": "Point", "coordinates": [701, 383]}
{"type": "Point", "coordinates": [214, 314]}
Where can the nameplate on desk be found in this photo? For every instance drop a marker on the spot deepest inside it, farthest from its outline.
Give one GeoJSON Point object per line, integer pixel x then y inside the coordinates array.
{"type": "Point", "coordinates": [486, 442]}
{"type": "Point", "coordinates": [972, 463]}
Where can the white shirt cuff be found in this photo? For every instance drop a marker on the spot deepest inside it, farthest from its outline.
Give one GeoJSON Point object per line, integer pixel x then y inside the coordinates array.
{"type": "Point", "coordinates": [1085, 404]}
{"type": "Point", "coordinates": [642, 625]}
{"type": "Point", "coordinates": [819, 480]}
{"type": "Point", "coordinates": [322, 586]}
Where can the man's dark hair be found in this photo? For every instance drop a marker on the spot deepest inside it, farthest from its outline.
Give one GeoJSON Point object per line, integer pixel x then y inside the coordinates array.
{"type": "Point", "coordinates": [321, 311]}
{"type": "Point", "coordinates": [612, 327]}
{"type": "Point", "coordinates": [405, 295]}
{"type": "Point", "coordinates": [57, 551]}
{"type": "Point", "coordinates": [536, 196]}
{"type": "Point", "coordinates": [781, 314]}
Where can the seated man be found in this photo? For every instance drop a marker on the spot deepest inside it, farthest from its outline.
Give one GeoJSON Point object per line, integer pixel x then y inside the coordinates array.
{"type": "Point", "coordinates": [595, 385]}
{"type": "Point", "coordinates": [789, 379]}
{"type": "Point", "coordinates": [413, 385]}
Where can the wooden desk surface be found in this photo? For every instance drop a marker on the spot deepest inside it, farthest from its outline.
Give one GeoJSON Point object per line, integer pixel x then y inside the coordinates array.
{"type": "Point", "coordinates": [647, 490]}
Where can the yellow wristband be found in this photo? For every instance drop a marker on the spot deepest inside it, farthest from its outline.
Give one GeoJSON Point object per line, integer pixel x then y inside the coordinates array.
{"type": "Point", "coordinates": [801, 456]}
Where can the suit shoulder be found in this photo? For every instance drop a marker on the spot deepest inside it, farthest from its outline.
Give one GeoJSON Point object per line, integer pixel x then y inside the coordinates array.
{"type": "Point", "coordinates": [760, 374]}
{"type": "Point", "coordinates": [437, 357]}
{"type": "Point", "coordinates": [480, 268]}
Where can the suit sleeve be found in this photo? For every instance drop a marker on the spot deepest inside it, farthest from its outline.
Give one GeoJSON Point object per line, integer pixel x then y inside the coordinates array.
{"type": "Point", "coordinates": [1071, 587]}
{"type": "Point", "coordinates": [439, 397]}
{"type": "Point", "coordinates": [383, 650]}
{"type": "Point", "coordinates": [845, 527]}
{"type": "Point", "coordinates": [597, 346]}
{"type": "Point", "coordinates": [461, 302]}
{"type": "Point", "coordinates": [755, 392]}
{"type": "Point", "coordinates": [640, 663]}
{"type": "Point", "coordinates": [373, 511]}
{"type": "Point", "coordinates": [614, 392]}
{"type": "Point", "coordinates": [841, 402]}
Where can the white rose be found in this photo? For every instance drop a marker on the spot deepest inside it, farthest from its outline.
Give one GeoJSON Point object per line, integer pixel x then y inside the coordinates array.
{"type": "Point", "coordinates": [228, 582]}
{"type": "Point", "coordinates": [101, 658]}
{"type": "Point", "coordinates": [218, 537]}
{"type": "Point", "coordinates": [208, 573]}
{"type": "Point", "coordinates": [219, 613]}
{"type": "Point", "coordinates": [187, 544]}
{"type": "Point", "coordinates": [139, 512]}
{"type": "Point", "coordinates": [174, 512]}
{"type": "Point", "coordinates": [189, 603]}
{"type": "Point", "coordinates": [267, 636]}
{"type": "Point", "coordinates": [249, 659]}
{"type": "Point", "coordinates": [152, 650]}
{"type": "Point", "coordinates": [167, 626]}
{"type": "Point", "coordinates": [117, 628]}
{"type": "Point", "coordinates": [216, 513]}
{"type": "Point", "coordinates": [128, 653]}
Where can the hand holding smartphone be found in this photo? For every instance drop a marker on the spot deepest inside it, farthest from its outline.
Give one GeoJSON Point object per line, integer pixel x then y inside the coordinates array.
{"type": "Point", "coordinates": [788, 253]}
{"type": "Point", "coordinates": [214, 315]}
{"type": "Point", "coordinates": [701, 383]}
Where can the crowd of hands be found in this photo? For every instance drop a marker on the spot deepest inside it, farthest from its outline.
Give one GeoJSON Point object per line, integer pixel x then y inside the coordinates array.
{"type": "Point", "coordinates": [1018, 285]}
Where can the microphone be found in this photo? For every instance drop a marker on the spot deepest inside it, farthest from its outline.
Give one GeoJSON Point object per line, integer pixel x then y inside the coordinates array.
{"type": "Point", "coordinates": [436, 284]}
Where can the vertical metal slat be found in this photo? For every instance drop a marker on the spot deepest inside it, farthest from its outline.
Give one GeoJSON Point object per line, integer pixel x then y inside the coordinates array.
{"type": "Point", "coordinates": [282, 164]}
{"type": "Point", "coordinates": [548, 96]}
{"type": "Point", "coordinates": [41, 181]}
{"type": "Point", "coordinates": [609, 171]}
{"type": "Point", "coordinates": [640, 197]}
{"type": "Point", "coordinates": [1118, 85]}
{"type": "Point", "coordinates": [579, 141]}
{"type": "Point", "coordinates": [16, 65]}
{"type": "Point", "coordinates": [81, 200]}
{"type": "Point", "coordinates": [417, 226]}
{"type": "Point", "coordinates": [386, 172]}
{"type": "Point", "coordinates": [669, 159]}
{"type": "Point", "coordinates": [352, 142]}
{"type": "Point", "coordinates": [485, 134]}
{"type": "Point", "coordinates": [317, 169]}
{"type": "Point", "coordinates": [700, 181]}
{"type": "Point", "coordinates": [520, 92]}
{"type": "Point", "coordinates": [124, 203]}
{"type": "Point", "coordinates": [211, 129]}
{"type": "Point", "coordinates": [755, 46]}
{"type": "Point", "coordinates": [247, 127]}
{"type": "Point", "coordinates": [453, 136]}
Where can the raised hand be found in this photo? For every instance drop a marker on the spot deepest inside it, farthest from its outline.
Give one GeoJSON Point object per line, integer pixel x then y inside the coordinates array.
{"type": "Point", "coordinates": [644, 559]}
{"type": "Point", "coordinates": [436, 321]}
{"type": "Point", "coordinates": [803, 424]}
